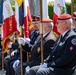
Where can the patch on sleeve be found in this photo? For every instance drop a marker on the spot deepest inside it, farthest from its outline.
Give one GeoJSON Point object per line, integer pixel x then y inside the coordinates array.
{"type": "Point", "coordinates": [71, 48]}
{"type": "Point", "coordinates": [73, 41]}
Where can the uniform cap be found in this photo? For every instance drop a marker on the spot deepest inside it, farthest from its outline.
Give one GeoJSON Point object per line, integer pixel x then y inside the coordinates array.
{"type": "Point", "coordinates": [35, 18]}
{"type": "Point", "coordinates": [46, 20]}
{"type": "Point", "coordinates": [64, 17]}
{"type": "Point", "coordinates": [74, 14]}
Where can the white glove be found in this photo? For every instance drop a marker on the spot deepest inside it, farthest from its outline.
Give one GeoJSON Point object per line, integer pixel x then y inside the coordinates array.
{"type": "Point", "coordinates": [12, 36]}
{"type": "Point", "coordinates": [43, 65]}
{"type": "Point", "coordinates": [27, 40]}
{"type": "Point", "coordinates": [21, 41]}
{"type": "Point", "coordinates": [10, 45]}
{"type": "Point", "coordinates": [27, 69]}
{"type": "Point", "coordinates": [12, 54]}
{"type": "Point", "coordinates": [16, 63]}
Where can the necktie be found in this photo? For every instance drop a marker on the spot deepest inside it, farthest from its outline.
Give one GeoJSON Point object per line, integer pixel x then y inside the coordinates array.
{"type": "Point", "coordinates": [59, 40]}
{"type": "Point", "coordinates": [57, 43]}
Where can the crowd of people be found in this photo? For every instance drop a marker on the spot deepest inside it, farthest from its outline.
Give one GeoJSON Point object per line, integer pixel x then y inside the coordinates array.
{"type": "Point", "coordinates": [59, 53]}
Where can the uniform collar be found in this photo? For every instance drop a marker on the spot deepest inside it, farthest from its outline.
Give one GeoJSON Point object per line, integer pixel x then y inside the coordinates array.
{"type": "Point", "coordinates": [65, 33]}
{"type": "Point", "coordinates": [46, 34]}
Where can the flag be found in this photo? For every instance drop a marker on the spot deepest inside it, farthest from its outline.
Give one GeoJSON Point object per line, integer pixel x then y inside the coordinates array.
{"type": "Point", "coordinates": [27, 19]}
{"type": "Point", "coordinates": [1, 11]}
{"type": "Point", "coordinates": [59, 8]}
{"type": "Point", "coordinates": [17, 15]}
{"type": "Point", "coordinates": [19, 2]}
{"type": "Point", "coordinates": [9, 25]}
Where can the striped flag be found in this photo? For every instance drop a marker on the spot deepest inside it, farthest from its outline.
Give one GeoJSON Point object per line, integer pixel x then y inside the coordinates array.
{"type": "Point", "coordinates": [17, 15]}
{"type": "Point", "coordinates": [19, 2]}
{"type": "Point", "coordinates": [59, 8]}
{"type": "Point", "coordinates": [9, 25]}
{"type": "Point", "coordinates": [27, 19]}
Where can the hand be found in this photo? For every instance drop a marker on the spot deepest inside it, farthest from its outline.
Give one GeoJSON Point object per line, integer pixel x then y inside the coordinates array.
{"type": "Point", "coordinates": [27, 40]}
{"type": "Point", "coordinates": [16, 63]}
{"type": "Point", "coordinates": [12, 36]}
{"type": "Point", "coordinates": [27, 69]}
{"type": "Point", "coordinates": [10, 45]}
{"type": "Point", "coordinates": [12, 54]}
{"type": "Point", "coordinates": [43, 65]}
{"type": "Point", "coordinates": [21, 41]}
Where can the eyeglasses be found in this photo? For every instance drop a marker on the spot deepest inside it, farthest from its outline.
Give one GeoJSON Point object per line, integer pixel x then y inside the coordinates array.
{"type": "Point", "coordinates": [61, 23]}
{"type": "Point", "coordinates": [57, 23]}
{"type": "Point", "coordinates": [74, 18]}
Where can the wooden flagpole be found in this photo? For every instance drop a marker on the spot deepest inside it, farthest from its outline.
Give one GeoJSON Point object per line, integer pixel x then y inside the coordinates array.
{"type": "Point", "coordinates": [21, 34]}
{"type": "Point", "coordinates": [3, 72]}
{"type": "Point", "coordinates": [72, 7]}
{"type": "Point", "coordinates": [41, 32]}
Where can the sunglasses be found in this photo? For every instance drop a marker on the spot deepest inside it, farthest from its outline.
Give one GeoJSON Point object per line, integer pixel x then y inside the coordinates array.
{"type": "Point", "coordinates": [74, 18]}
{"type": "Point", "coordinates": [58, 23]}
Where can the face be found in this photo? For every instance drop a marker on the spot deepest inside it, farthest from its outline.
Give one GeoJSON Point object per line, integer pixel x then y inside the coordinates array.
{"type": "Point", "coordinates": [74, 21]}
{"type": "Point", "coordinates": [36, 25]}
{"type": "Point", "coordinates": [60, 26]}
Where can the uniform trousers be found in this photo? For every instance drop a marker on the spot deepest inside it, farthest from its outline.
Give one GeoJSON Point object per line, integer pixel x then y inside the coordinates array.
{"type": "Point", "coordinates": [47, 71]}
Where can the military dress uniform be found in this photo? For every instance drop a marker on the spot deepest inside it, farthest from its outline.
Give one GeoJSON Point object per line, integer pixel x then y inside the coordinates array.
{"type": "Point", "coordinates": [49, 40]}
{"type": "Point", "coordinates": [62, 59]}
{"type": "Point", "coordinates": [35, 59]}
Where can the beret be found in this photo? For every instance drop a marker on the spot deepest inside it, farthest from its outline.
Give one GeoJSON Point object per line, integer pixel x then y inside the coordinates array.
{"type": "Point", "coordinates": [74, 14]}
{"type": "Point", "coordinates": [64, 17]}
{"type": "Point", "coordinates": [46, 20]}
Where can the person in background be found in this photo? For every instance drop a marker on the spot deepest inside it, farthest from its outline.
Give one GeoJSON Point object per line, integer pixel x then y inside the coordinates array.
{"type": "Point", "coordinates": [74, 19]}
{"type": "Point", "coordinates": [62, 59]}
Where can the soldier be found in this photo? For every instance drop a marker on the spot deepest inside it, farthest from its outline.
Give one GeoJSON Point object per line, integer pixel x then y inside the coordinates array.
{"type": "Point", "coordinates": [49, 40]}
{"type": "Point", "coordinates": [62, 59]}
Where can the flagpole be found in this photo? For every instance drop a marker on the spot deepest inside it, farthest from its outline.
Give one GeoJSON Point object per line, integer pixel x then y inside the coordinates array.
{"type": "Point", "coordinates": [41, 32]}
{"type": "Point", "coordinates": [21, 34]}
{"type": "Point", "coordinates": [1, 23]}
{"type": "Point", "coordinates": [1, 20]}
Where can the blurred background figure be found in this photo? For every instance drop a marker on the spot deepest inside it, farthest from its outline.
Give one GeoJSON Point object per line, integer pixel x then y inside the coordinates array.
{"type": "Point", "coordinates": [74, 19]}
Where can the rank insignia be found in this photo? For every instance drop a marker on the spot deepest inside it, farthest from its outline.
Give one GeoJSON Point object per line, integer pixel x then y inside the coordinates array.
{"type": "Point", "coordinates": [38, 49]}
{"type": "Point", "coordinates": [73, 41]}
{"type": "Point", "coordinates": [60, 44]}
{"type": "Point", "coordinates": [71, 48]}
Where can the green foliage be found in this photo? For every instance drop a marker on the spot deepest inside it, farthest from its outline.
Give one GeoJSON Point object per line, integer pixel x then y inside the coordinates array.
{"type": "Point", "coordinates": [68, 7]}
{"type": "Point", "coordinates": [13, 4]}
{"type": "Point", "coordinates": [51, 6]}
{"type": "Point", "coordinates": [74, 1]}
{"type": "Point", "coordinates": [74, 5]}
{"type": "Point", "coordinates": [50, 9]}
